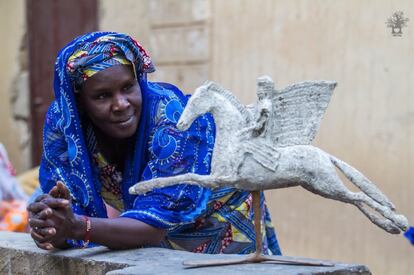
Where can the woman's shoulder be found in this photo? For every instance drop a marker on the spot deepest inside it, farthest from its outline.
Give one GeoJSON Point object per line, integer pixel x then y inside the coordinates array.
{"type": "Point", "coordinates": [166, 102]}
{"type": "Point", "coordinates": [163, 90]}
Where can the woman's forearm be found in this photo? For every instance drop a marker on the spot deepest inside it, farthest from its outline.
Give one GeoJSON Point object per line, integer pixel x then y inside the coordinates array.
{"type": "Point", "coordinates": [118, 233]}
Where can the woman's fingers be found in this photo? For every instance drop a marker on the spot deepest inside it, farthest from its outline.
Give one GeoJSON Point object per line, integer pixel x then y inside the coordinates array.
{"type": "Point", "coordinates": [63, 190]}
{"type": "Point", "coordinates": [37, 234]}
{"type": "Point", "coordinates": [59, 215]}
{"type": "Point", "coordinates": [44, 208]}
{"type": "Point", "coordinates": [41, 197]}
{"type": "Point", "coordinates": [40, 211]}
{"type": "Point", "coordinates": [60, 191]}
{"type": "Point", "coordinates": [36, 207]}
{"type": "Point", "coordinates": [46, 232]}
{"type": "Point", "coordinates": [40, 223]}
{"type": "Point", "coordinates": [44, 214]}
{"type": "Point", "coordinates": [45, 246]}
{"type": "Point", "coordinates": [56, 202]}
{"type": "Point", "coordinates": [54, 192]}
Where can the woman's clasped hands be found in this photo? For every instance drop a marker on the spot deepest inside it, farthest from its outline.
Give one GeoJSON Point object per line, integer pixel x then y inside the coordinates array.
{"type": "Point", "coordinates": [51, 218]}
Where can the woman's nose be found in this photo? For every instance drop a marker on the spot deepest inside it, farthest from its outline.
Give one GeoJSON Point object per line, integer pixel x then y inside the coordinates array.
{"type": "Point", "coordinates": [120, 103]}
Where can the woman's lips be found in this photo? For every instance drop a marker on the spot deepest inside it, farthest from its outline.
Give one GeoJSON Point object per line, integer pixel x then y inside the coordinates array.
{"type": "Point", "coordinates": [124, 122]}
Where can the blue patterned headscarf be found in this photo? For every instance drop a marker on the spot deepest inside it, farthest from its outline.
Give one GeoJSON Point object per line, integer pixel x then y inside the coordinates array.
{"type": "Point", "coordinates": [160, 149]}
{"type": "Point", "coordinates": [104, 52]}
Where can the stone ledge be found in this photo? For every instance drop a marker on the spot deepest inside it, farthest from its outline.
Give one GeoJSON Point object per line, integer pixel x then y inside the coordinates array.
{"type": "Point", "coordinates": [19, 255]}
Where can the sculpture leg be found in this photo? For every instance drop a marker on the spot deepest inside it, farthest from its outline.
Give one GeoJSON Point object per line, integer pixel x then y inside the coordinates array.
{"type": "Point", "coordinates": [362, 182]}
{"type": "Point", "coordinates": [387, 225]}
{"type": "Point", "coordinates": [190, 178]}
{"type": "Point", "coordinates": [333, 188]}
{"type": "Point", "coordinates": [398, 220]}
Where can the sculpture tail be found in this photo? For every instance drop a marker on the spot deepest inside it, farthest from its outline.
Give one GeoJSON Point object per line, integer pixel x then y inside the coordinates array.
{"type": "Point", "coordinates": [362, 182]}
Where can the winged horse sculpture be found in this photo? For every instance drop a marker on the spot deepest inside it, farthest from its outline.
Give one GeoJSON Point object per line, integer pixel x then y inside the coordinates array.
{"type": "Point", "coordinates": [268, 146]}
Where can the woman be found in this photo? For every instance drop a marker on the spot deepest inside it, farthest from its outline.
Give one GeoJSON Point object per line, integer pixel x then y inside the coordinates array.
{"type": "Point", "coordinates": [109, 128]}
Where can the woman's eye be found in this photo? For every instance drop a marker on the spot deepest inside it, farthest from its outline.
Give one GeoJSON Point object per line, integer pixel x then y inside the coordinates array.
{"type": "Point", "coordinates": [102, 96]}
{"type": "Point", "coordinates": [128, 87]}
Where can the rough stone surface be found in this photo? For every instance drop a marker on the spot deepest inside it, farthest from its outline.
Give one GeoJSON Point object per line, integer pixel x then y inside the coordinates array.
{"type": "Point", "coordinates": [267, 146]}
{"type": "Point", "coordinates": [19, 255]}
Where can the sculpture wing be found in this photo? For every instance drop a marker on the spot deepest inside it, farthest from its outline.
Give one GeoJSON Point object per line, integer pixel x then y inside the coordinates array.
{"type": "Point", "coordinates": [263, 153]}
{"type": "Point", "coordinates": [298, 111]}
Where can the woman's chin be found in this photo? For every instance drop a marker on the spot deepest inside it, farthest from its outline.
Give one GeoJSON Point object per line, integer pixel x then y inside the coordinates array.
{"type": "Point", "coordinates": [123, 130]}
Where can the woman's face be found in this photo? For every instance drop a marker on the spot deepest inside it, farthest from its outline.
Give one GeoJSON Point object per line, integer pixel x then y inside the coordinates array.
{"type": "Point", "coordinates": [112, 100]}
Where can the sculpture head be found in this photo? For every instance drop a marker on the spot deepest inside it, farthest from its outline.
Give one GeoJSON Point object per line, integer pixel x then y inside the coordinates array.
{"type": "Point", "coordinates": [265, 87]}
{"type": "Point", "coordinates": [197, 105]}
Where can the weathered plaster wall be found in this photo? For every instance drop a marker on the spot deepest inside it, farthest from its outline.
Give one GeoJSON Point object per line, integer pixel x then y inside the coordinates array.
{"type": "Point", "coordinates": [13, 84]}
{"type": "Point", "coordinates": [175, 33]}
{"type": "Point", "coordinates": [369, 123]}
{"type": "Point", "coordinates": [131, 17]}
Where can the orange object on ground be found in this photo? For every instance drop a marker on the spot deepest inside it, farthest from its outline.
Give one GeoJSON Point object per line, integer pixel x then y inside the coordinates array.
{"type": "Point", "coordinates": [13, 216]}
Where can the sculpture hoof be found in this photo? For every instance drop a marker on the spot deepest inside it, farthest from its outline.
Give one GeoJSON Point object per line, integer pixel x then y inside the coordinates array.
{"type": "Point", "coordinates": [132, 190]}
{"type": "Point", "coordinates": [402, 223]}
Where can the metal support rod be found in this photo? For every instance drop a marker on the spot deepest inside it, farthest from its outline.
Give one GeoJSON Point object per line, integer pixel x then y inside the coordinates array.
{"type": "Point", "coordinates": [257, 222]}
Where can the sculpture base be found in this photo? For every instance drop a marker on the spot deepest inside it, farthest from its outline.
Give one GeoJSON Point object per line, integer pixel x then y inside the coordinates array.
{"type": "Point", "coordinates": [255, 259]}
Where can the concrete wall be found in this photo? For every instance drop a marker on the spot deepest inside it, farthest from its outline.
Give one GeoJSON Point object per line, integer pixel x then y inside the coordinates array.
{"type": "Point", "coordinates": [19, 255]}
{"type": "Point", "coordinates": [13, 84]}
{"type": "Point", "coordinates": [369, 122]}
